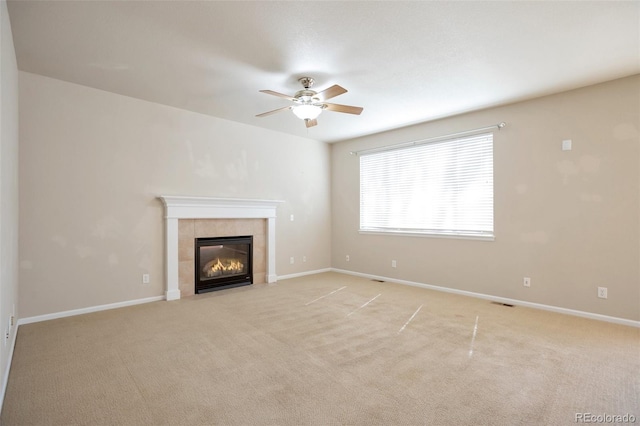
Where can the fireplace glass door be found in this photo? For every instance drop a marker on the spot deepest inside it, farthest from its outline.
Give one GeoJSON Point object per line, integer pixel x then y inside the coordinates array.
{"type": "Point", "coordinates": [223, 262]}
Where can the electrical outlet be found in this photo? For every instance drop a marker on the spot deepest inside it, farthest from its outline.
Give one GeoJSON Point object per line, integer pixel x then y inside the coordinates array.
{"type": "Point", "coordinates": [292, 260]}
{"type": "Point", "coordinates": [304, 258]}
{"type": "Point", "coordinates": [347, 258]}
{"type": "Point", "coordinates": [526, 282]}
{"type": "Point", "coordinates": [394, 264]}
{"type": "Point", "coordinates": [602, 292]}
{"type": "Point", "coordinates": [12, 320]}
{"type": "Point", "coordinates": [145, 278]}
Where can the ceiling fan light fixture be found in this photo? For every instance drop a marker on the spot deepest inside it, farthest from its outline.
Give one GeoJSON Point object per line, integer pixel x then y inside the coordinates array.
{"type": "Point", "coordinates": [307, 112]}
{"type": "Point", "coordinates": [308, 104]}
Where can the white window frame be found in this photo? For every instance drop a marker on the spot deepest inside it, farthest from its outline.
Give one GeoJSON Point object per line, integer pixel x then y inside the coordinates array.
{"type": "Point", "coordinates": [397, 185]}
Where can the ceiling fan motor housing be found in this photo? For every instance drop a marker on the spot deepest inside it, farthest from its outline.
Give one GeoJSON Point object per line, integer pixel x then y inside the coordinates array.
{"type": "Point", "coordinates": [306, 96]}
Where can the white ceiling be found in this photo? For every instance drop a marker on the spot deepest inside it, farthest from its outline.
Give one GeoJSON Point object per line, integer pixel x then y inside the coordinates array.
{"type": "Point", "coordinates": [404, 62]}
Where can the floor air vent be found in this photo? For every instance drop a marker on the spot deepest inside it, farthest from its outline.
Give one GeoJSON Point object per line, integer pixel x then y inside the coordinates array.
{"type": "Point", "coordinates": [503, 304]}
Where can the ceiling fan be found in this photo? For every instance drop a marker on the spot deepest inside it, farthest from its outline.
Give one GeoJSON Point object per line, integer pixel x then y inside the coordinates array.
{"type": "Point", "coordinates": [308, 104]}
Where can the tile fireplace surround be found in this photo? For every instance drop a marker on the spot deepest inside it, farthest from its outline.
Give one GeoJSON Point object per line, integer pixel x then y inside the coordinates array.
{"type": "Point", "coordinates": [235, 215]}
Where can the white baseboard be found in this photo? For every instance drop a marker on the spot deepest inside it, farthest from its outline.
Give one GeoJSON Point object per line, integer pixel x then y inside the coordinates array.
{"type": "Point", "coordinates": [88, 310]}
{"type": "Point", "coordinates": [7, 368]}
{"type": "Point", "coordinates": [302, 274]}
{"type": "Point", "coordinates": [172, 295]}
{"type": "Point", "coordinates": [514, 302]}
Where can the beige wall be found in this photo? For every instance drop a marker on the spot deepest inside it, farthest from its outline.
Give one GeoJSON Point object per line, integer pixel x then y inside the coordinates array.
{"type": "Point", "coordinates": [8, 190]}
{"type": "Point", "coordinates": [567, 219]}
{"type": "Point", "coordinates": [92, 164]}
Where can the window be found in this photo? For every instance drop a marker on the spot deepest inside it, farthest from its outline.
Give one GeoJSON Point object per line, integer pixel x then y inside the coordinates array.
{"type": "Point", "coordinates": [438, 188]}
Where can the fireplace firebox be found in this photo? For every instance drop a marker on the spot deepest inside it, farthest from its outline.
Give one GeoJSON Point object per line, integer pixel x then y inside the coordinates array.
{"type": "Point", "coordinates": [223, 262]}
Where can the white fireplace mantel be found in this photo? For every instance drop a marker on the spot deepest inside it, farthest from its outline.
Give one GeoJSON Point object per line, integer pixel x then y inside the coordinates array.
{"type": "Point", "coordinates": [179, 207]}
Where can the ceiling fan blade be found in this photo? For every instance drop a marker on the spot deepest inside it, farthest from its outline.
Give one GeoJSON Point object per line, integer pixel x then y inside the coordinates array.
{"type": "Point", "coordinates": [344, 108]}
{"type": "Point", "coordinates": [280, 95]}
{"type": "Point", "coordinates": [264, 114]}
{"type": "Point", "coordinates": [331, 92]}
{"type": "Point", "coordinates": [311, 123]}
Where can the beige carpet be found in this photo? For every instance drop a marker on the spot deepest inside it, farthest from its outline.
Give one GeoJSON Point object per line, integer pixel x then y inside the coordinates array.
{"type": "Point", "coordinates": [327, 349]}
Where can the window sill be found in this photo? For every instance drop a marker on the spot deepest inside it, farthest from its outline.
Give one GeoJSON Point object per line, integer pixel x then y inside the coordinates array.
{"type": "Point", "coordinates": [430, 235]}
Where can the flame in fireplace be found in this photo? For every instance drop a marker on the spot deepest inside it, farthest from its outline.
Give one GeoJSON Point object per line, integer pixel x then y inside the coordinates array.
{"type": "Point", "coordinates": [218, 268]}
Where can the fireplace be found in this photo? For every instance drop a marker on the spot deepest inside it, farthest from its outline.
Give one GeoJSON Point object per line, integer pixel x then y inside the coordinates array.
{"type": "Point", "coordinates": [187, 210]}
{"type": "Point", "coordinates": [223, 262]}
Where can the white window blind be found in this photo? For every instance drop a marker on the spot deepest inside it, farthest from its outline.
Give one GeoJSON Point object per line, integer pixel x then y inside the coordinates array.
{"type": "Point", "coordinates": [443, 188]}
